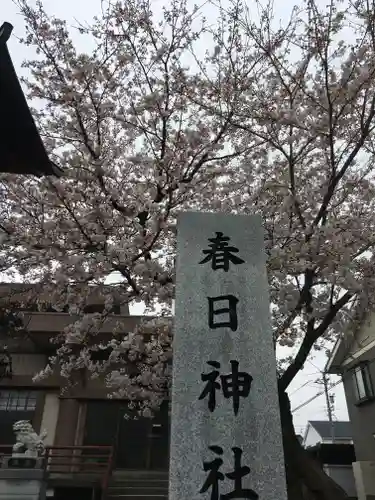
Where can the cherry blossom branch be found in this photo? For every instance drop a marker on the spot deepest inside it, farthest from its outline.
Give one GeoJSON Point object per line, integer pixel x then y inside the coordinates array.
{"type": "Point", "coordinates": [336, 179]}
{"type": "Point", "coordinates": [309, 340]}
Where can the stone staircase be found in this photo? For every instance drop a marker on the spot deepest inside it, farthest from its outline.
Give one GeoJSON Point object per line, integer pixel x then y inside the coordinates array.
{"type": "Point", "coordinates": [138, 485]}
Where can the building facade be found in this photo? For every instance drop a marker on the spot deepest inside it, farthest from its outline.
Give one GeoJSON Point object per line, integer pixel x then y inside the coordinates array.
{"type": "Point", "coordinates": [354, 359]}
{"type": "Point", "coordinates": [81, 419]}
{"type": "Point", "coordinates": [331, 444]}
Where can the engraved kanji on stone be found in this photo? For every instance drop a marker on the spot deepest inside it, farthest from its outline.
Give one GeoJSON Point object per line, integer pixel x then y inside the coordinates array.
{"type": "Point", "coordinates": [237, 475]}
{"type": "Point", "coordinates": [229, 312]}
{"type": "Point", "coordinates": [220, 254]}
{"type": "Point", "coordinates": [233, 385]}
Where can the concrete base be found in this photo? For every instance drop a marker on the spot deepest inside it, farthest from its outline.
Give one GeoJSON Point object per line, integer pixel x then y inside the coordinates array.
{"type": "Point", "coordinates": [364, 475]}
{"type": "Point", "coordinates": [22, 484]}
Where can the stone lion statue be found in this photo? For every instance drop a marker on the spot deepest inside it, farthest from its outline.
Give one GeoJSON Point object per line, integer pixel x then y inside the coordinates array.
{"type": "Point", "coordinates": [28, 442]}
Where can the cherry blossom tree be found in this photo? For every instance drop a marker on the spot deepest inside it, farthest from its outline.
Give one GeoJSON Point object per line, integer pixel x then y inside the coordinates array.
{"type": "Point", "coordinates": [171, 111]}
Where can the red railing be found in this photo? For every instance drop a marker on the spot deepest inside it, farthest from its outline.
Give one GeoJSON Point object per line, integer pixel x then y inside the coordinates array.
{"type": "Point", "coordinates": [76, 460]}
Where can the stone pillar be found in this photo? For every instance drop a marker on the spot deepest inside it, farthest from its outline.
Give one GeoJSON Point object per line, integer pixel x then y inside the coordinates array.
{"type": "Point", "coordinates": [66, 422]}
{"type": "Point", "coordinates": [22, 484]}
{"type": "Point", "coordinates": [65, 433]}
{"type": "Point", "coordinates": [225, 433]}
{"type": "Point", "coordinates": [49, 417]}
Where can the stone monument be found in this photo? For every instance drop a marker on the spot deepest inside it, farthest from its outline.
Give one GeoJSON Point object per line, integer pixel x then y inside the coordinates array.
{"type": "Point", "coordinates": [28, 442]}
{"type": "Point", "coordinates": [22, 476]}
{"type": "Point", "coordinates": [226, 436]}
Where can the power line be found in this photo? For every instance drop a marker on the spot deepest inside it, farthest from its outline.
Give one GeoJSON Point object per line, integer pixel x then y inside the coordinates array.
{"type": "Point", "coordinates": [325, 391]}
{"type": "Point", "coordinates": [305, 383]}
{"type": "Point", "coordinates": [316, 396]}
{"type": "Point", "coordinates": [302, 385]}
{"type": "Point", "coordinates": [314, 365]}
{"type": "Point", "coordinates": [347, 373]}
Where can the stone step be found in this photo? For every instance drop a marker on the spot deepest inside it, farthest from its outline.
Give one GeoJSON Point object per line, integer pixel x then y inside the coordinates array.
{"type": "Point", "coordinates": [129, 495]}
{"type": "Point", "coordinates": [138, 480]}
{"type": "Point", "coordinates": [138, 485]}
{"type": "Point", "coordinates": [137, 490]}
{"type": "Point", "coordinates": [126, 480]}
{"type": "Point", "coordinates": [125, 496]}
{"type": "Point", "coordinates": [148, 485]}
{"type": "Point", "coordinates": [117, 473]}
{"type": "Point", "coordinates": [138, 494]}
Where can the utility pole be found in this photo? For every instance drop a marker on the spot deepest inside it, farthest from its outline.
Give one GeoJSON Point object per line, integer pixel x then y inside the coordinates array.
{"type": "Point", "coordinates": [329, 407]}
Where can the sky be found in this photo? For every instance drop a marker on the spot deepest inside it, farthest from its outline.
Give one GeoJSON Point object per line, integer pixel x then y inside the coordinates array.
{"type": "Point", "coordinates": [305, 386]}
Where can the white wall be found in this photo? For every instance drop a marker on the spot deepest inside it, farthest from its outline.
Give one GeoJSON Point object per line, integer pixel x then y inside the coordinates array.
{"type": "Point", "coordinates": [364, 473]}
{"type": "Point", "coordinates": [312, 437]}
{"type": "Point", "coordinates": [364, 336]}
{"type": "Point", "coordinates": [344, 476]}
{"type": "Point", "coordinates": [49, 418]}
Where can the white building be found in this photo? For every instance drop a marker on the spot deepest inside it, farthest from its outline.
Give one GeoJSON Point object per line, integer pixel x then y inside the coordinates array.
{"type": "Point", "coordinates": [332, 446]}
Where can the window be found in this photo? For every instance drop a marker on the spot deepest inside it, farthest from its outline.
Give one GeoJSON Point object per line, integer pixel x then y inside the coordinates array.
{"type": "Point", "coordinates": [17, 400]}
{"type": "Point", "coordinates": [362, 383]}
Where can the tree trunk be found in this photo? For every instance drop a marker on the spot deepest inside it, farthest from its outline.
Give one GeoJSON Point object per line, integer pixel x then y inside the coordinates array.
{"type": "Point", "coordinates": [306, 480]}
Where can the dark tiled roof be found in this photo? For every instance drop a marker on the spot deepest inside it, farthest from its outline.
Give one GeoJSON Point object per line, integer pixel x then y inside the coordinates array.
{"type": "Point", "coordinates": [341, 429]}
